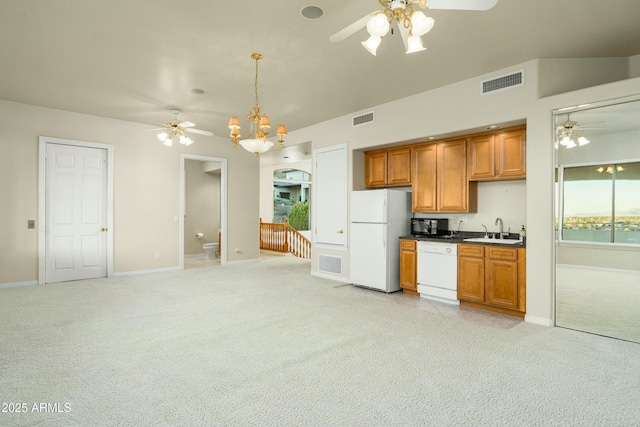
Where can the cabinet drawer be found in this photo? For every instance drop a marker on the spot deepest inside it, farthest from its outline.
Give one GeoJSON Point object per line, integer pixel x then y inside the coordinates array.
{"type": "Point", "coordinates": [408, 245]}
{"type": "Point", "coordinates": [471, 250]}
{"type": "Point", "coordinates": [503, 253]}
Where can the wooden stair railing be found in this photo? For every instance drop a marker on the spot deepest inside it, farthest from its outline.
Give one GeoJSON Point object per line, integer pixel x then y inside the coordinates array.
{"type": "Point", "coordinates": [284, 238]}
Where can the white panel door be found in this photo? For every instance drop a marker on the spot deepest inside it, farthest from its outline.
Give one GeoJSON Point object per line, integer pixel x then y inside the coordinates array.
{"type": "Point", "coordinates": [330, 184]}
{"type": "Point", "coordinates": [76, 213]}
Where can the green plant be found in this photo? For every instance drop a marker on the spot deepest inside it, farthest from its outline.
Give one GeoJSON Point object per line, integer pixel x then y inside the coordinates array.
{"type": "Point", "coordinates": [299, 216]}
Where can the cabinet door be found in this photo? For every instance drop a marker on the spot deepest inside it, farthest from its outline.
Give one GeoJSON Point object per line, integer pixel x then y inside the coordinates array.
{"type": "Point", "coordinates": [375, 171]}
{"type": "Point", "coordinates": [471, 279]}
{"type": "Point", "coordinates": [408, 265]}
{"type": "Point", "coordinates": [502, 283]}
{"type": "Point", "coordinates": [399, 167]}
{"type": "Point", "coordinates": [452, 176]}
{"type": "Point", "coordinates": [423, 182]}
{"type": "Point", "coordinates": [512, 154]}
{"type": "Point", "coordinates": [481, 158]}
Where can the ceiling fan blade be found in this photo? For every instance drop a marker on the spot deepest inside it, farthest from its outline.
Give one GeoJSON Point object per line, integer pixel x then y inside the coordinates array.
{"type": "Point", "coordinates": [156, 129]}
{"type": "Point", "coordinates": [461, 4]}
{"type": "Point", "coordinates": [201, 132]}
{"type": "Point", "coordinates": [186, 124]}
{"type": "Point", "coordinates": [350, 30]}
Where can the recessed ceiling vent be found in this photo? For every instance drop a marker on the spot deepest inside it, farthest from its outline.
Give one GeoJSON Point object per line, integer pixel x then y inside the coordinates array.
{"type": "Point", "coordinates": [330, 264]}
{"type": "Point", "coordinates": [363, 119]}
{"type": "Point", "coordinates": [507, 81]}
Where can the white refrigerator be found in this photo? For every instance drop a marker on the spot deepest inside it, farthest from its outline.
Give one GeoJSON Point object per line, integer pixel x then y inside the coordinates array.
{"type": "Point", "coordinates": [378, 219]}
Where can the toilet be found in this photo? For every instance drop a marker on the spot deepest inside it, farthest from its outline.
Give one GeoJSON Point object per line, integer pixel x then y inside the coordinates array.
{"type": "Point", "coordinates": [210, 250]}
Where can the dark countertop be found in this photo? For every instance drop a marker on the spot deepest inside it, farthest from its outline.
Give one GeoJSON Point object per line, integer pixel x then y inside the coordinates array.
{"type": "Point", "coordinates": [460, 236]}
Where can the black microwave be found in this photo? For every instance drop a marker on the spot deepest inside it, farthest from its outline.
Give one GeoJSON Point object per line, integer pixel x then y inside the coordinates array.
{"type": "Point", "coordinates": [429, 226]}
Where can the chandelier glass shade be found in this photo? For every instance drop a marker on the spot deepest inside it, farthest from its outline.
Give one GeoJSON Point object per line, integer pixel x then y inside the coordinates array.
{"type": "Point", "coordinates": [414, 21]}
{"type": "Point", "coordinates": [260, 125]}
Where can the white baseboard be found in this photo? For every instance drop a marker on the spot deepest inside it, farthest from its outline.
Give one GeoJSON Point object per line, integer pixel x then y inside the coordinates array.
{"type": "Point", "coordinates": [538, 320]}
{"type": "Point", "coordinates": [330, 277]}
{"type": "Point", "coordinates": [18, 284]}
{"type": "Point", "coordinates": [135, 273]}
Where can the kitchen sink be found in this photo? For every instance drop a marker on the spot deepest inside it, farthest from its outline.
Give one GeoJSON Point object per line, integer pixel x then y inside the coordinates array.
{"type": "Point", "coordinates": [493, 241]}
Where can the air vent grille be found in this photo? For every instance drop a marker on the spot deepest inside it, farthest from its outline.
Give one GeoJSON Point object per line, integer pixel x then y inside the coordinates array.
{"type": "Point", "coordinates": [507, 81]}
{"type": "Point", "coordinates": [330, 264]}
{"type": "Point", "coordinates": [363, 119]}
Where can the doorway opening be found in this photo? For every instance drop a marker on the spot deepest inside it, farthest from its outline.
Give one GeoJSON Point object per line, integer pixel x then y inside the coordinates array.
{"type": "Point", "coordinates": [203, 207]}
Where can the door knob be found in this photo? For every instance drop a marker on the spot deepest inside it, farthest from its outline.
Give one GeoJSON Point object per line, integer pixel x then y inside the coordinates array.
{"type": "Point", "coordinates": [340, 231]}
{"type": "Point", "coordinates": [103, 229]}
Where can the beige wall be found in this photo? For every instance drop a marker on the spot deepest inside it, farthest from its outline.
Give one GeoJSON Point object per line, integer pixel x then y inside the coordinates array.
{"type": "Point", "coordinates": [202, 207]}
{"type": "Point", "coordinates": [146, 189]}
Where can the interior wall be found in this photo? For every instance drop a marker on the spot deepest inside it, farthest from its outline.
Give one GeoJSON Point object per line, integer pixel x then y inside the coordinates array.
{"type": "Point", "coordinates": [561, 75]}
{"type": "Point", "coordinates": [202, 207]}
{"type": "Point", "coordinates": [146, 189]}
{"type": "Point", "coordinates": [634, 66]}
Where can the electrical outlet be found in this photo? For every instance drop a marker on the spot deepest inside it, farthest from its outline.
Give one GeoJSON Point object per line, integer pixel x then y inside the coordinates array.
{"type": "Point", "coordinates": [31, 223]}
{"type": "Point", "coordinates": [463, 219]}
{"type": "Point", "coordinates": [157, 255]}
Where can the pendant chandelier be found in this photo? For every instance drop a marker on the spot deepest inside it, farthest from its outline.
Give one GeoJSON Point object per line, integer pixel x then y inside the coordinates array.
{"type": "Point", "coordinates": [257, 141]}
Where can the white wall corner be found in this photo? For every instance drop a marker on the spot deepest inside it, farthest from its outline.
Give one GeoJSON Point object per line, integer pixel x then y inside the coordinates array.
{"type": "Point", "coordinates": [538, 320]}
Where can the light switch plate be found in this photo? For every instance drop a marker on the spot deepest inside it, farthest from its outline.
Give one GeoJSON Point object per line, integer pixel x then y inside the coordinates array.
{"type": "Point", "coordinates": [31, 223]}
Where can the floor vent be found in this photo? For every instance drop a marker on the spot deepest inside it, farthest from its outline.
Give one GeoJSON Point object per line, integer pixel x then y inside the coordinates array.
{"type": "Point", "coordinates": [363, 119]}
{"type": "Point", "coordinates": [507, 81]}
{"type": "Point", "coordinates": [330, 264]}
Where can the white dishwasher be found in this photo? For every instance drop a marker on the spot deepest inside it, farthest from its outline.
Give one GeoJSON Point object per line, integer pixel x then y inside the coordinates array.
{"type": "Point", "coordinates": [438, 271]}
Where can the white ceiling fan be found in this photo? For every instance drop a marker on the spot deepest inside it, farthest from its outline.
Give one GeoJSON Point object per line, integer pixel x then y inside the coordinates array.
{"type": "Point", "coordinates": [175, 129]}
{"type": "Point", "coordinates": [411, 23]}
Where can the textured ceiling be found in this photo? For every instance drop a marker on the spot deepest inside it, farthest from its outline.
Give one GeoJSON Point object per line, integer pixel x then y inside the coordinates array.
{"type": "Point", "coordinates": [137, 59]}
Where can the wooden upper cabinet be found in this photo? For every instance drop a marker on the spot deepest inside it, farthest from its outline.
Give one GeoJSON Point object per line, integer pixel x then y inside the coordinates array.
{"type": "Point", "coordinates": [388, 168]}
{"type": "Point", "coordinates": [512, 154]}
{"type": "Point", "coordinates": [399, 166]}
{"type": "Point", "coordinates": [423, 182]}
{"type": "Point", "coordinates": [439, 182]}
{"type": "Point", "coordinates": [375, 172]}
{"type": "Point", "coordinates": [482, 159]}
{"type": "Point", "coordinates": [453, 187]}
{"type": "Point", "coordinates": [498, 156]}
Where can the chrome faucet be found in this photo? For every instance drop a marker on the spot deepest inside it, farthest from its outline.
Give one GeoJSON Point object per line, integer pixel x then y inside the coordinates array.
{"type": "Point", "coordinates": [486, 233]}
{"type": "Point", "coordinates": [500, 233]}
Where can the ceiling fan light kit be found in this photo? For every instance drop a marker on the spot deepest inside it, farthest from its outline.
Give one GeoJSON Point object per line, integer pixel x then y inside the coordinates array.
{"type": "Point", "coordinates": [411, 23]}
{"type": "Point", "coordinates": [257, 143]}
{"type": "Point", "coordinates": [177, 130]}
{"type": "Point", "coordinates": [567, 134]}
{"type": "Point", "coordinates": [416, 22]}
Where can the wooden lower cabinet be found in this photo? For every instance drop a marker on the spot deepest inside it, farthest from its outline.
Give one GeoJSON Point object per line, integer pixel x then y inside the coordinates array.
{"type": "Point", "coordinates": [409, 267]}
{"type": "Point", "coordinates": [492, 278]}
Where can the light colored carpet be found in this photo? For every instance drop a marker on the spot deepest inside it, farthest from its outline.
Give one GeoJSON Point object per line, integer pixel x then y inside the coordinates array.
{"type": "Point", "coordinates": [598, 300]}
{"type": "Point", "coordinates": [264, 343]}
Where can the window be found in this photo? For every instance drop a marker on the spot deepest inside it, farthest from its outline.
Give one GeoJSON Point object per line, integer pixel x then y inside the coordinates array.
{"type": "Point", "coordinates": [290, 187]}
{"type": "Point", "coordinates": [601, 203]}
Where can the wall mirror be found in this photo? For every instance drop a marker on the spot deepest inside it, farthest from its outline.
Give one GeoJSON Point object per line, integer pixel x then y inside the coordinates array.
{"type": "Point", "coordinates": [597, 224]}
